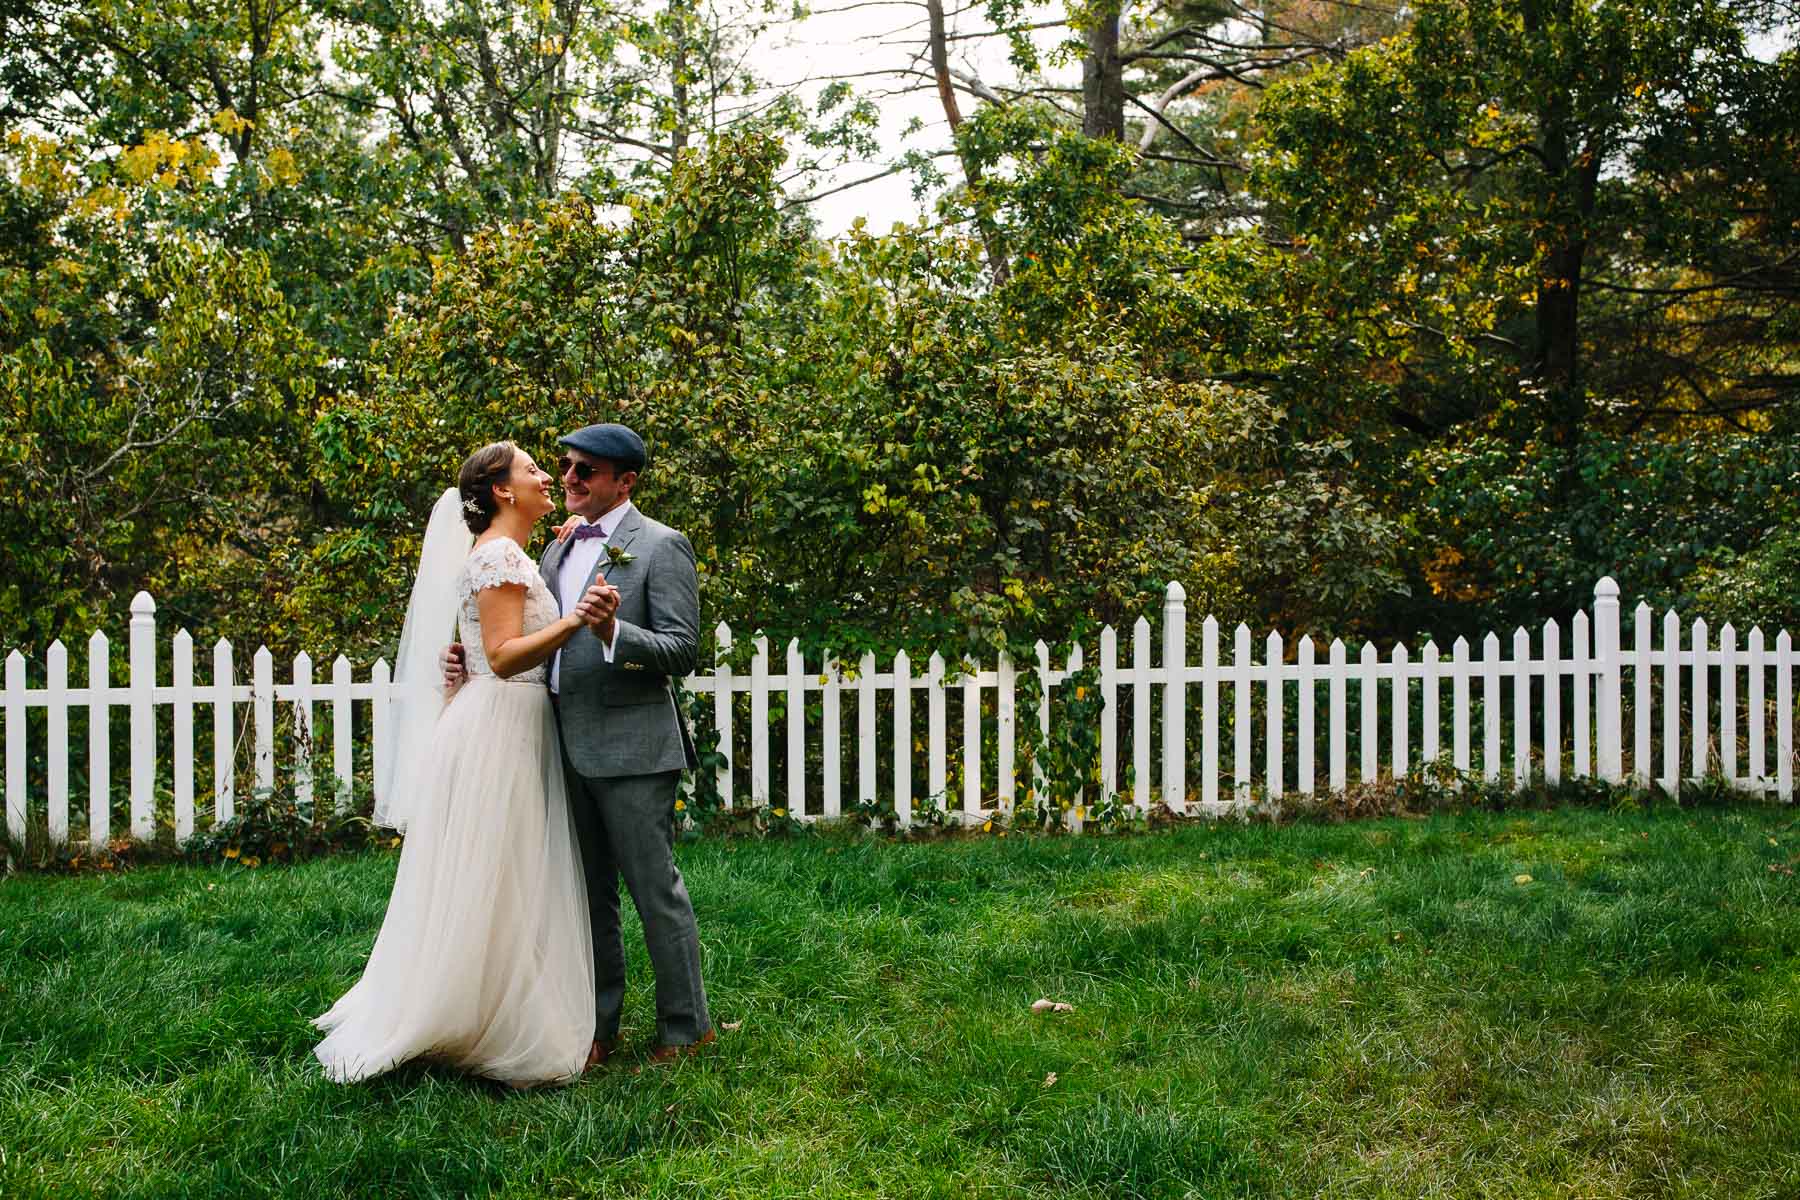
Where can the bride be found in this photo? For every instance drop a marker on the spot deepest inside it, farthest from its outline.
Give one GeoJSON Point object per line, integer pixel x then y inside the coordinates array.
{"type": "Point", "coordinates": [485, 959]}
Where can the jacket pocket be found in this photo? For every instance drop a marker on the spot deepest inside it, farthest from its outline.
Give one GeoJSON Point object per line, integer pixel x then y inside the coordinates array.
{"type": "Point", "coordinates": [624, 693]}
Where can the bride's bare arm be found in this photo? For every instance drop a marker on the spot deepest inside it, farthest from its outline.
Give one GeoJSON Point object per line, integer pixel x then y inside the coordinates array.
{"type": "Point", "coordinates": [509, 649]}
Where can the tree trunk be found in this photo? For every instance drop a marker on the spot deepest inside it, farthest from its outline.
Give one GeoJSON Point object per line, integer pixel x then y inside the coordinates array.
{"type": "Point", "coordinates": [940, 70]}
{"type": "Point", "coordinates": [1103, 82]}
{"type": "Point", "coordinates": [678, 82]}
{"type": "Point", "coordinates": [1571, 181]}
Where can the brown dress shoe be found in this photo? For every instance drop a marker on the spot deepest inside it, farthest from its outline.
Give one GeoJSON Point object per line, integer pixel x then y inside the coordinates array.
{"type": "Point", "coordinates": [668, 1054]}
{"type": "Point", "coordinates": [598, 1053]}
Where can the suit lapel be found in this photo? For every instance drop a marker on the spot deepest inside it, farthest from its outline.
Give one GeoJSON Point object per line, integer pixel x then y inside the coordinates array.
{"type": "Point", "coordinates": [621, 539]}
{"type": "Point", "coordinates": [551, 564]}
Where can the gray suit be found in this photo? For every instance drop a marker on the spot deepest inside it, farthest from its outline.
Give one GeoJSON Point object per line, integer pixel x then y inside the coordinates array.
{"type": "Point", "coordinates": [625, 745]}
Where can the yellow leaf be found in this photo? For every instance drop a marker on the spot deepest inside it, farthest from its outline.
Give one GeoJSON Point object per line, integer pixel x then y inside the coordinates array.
{"type": "Point", "coordinates": [1521, 880]}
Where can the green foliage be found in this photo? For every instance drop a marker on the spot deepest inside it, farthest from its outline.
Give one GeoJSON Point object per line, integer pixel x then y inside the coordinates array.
{"type": "Point", "coordinates": [273, 825]}
{"type": "Point", "coordinates": [1492, 525]}
{"type": "Point", "coordinates": [1755, 585]}
{"type": "Point", "coordinates": [150, 381]}
{"type": "Point", "coordinates": [1501, 303]}
{"type": "Point", "coordinates": [866, 454]}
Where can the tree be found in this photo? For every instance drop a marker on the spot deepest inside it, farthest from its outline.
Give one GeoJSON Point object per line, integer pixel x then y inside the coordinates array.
{"type": "Point", "coordinates": [149, 381]}
{"type": "Point", "coordinates": [1549, 153]}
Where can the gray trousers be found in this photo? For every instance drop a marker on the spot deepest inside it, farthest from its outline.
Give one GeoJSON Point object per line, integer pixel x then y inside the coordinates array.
{"type": "Point", "coordinates": [625, 826]}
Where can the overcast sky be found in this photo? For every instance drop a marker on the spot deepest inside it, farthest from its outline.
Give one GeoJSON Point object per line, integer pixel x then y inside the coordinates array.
{"type": "Point", "coordinates": [883, 34]}
{"type": "Point", "coordinates": [886, 35]}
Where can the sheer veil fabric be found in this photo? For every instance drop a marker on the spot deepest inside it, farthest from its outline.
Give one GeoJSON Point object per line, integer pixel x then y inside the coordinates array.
{"type": "Point", "coordinates": [418, 698]}
{"type": "Point", "coordinates": [485, 958]}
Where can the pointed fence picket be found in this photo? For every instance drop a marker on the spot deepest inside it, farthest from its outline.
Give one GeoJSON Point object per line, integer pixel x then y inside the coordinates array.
{"type": "Point", "coordinates": [1562, 716]}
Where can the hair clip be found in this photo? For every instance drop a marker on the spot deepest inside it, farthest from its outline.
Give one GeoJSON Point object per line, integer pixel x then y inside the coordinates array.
{"type": "Point", "coordinates": [471, 507]}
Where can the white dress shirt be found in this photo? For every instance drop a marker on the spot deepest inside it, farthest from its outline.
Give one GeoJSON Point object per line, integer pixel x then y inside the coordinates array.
{"type": "Point", "coordinates": [572, 576]}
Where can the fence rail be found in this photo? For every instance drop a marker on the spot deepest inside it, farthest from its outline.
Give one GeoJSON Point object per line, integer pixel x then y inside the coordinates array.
{"type": "Point", "coordinates": [1568, 710]}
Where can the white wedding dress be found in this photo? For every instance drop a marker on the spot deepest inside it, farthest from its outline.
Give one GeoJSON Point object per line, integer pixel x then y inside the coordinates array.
{"type": "Point", "coordinates": [485, 957]}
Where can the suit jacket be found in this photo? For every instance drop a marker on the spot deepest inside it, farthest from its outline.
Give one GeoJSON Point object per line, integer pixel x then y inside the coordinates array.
{"type": "Point", "coordinates": [621, 718]}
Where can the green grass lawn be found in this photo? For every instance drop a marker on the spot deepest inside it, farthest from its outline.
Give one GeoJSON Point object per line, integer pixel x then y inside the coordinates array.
{"type": "Point", "coordinates": [1374, 1009]}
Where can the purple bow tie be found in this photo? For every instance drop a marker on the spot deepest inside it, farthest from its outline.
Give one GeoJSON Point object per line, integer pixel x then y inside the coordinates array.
{"type": "Point", "coordinates": [582, 532]}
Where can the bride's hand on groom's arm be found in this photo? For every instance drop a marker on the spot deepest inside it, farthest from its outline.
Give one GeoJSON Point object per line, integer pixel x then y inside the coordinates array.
{"type": "Point", "coordinates": [455, 674]}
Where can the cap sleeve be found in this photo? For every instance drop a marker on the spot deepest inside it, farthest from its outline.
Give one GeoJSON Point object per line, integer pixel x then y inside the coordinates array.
{"type": "Point", "coordinates": [497, 564]}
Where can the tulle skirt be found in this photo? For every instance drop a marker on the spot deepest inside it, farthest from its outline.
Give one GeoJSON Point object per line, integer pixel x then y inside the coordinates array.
{"type": "Point", "coordinates": [485, 959]}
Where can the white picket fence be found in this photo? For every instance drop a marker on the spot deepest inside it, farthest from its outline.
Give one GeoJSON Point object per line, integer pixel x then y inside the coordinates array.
{"type": "Point", "coordinates": [1145, 703]}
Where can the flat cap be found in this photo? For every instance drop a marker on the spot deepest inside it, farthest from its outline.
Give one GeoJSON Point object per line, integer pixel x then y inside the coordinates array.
{"type": "Point", "coordinates": [614, 442]}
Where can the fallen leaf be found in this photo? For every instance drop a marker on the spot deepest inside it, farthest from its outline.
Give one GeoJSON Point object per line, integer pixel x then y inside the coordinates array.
{"type": "Point", "coordinates": [731, 1026]}
{"type": "Point", "coordinates": [1521, 880]}
{"type": "Point", "coordinates": [1050, 1079]}
{"type": "Point", "coordinates": [1039, 1006]}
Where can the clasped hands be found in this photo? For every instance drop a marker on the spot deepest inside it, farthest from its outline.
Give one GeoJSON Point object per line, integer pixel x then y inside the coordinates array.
{"type": "Point", "coordinates": [596, 609]}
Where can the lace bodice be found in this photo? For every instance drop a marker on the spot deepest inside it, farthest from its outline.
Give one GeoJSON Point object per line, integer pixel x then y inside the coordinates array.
{"type": "Point", "coordinates": [493, 564]}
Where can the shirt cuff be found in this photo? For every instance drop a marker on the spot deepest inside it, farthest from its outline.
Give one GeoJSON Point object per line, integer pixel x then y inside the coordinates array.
{"type": "Point", "coordinates": [606, 648]}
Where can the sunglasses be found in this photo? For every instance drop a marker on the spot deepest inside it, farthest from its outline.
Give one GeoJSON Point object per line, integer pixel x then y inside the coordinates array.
{"type": "Point", "coordinates": [584, 471]}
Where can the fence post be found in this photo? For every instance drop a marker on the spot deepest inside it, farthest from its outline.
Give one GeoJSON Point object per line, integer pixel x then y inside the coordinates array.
{"type": "Point", "coordinates": [796, 731]}
{"type": "Point", "coordinates": [1109, 714]}
{"type": "Point", "coordinates": [262, 702]}
{"type": "Point", "coordinates": [759, 723]}
{"type": "Point", "coordinates": [99, 740]}
{"type": "Point", "coordinates": [143, 716]}
{"type": "Point", "coordinates": [15, 747]}
{"type": "Point", "coordinates": [1784, 716]}
{"type": "Point", "coordinates": [1140, 714]}
{"type": "Point", "coordinates": [1005, 730]}
{"type": "Point", "coordinates": [181, 675]}
{"type": "Point", "coordinates": [342, 732]}
{"type": "Point", "coordinates": [937, 735]}
{"type": "Point", "coordinates": [865, 730]}
{"type": "Point", "coordinates": [1209, 716]}
{"type": "Point", "coordinates": [1303, 747]}
{"type": "Point", "coordinates": [722, 709]}
{"type": "Point", "coordinates": [1040, 780]}
{"type": "Point", "coordinates": [971, 741]}
{"type": "Point", "coordinates": [1273, 695]}
{"type": "Point", "coordinates": [1174, 656]}
{"type": "Point", "coordinates": [1606, 635]}
{"type": "Point", "coordinates": [225, 730]}
{"type": "Point", "coordinates": [831, 746]}
{"type": "Point", "coordinates": [57, 750]}
{"type": "Point", "coordinates": [303, 731]}
{"type": "Point", "coordinates": [1521, 708]}
{"type": "Point", "coordinates": [903, 739]}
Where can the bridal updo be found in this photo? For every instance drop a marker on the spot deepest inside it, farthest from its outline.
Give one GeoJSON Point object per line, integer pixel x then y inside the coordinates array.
{"type": "Point", "coordinates": [480, 471]}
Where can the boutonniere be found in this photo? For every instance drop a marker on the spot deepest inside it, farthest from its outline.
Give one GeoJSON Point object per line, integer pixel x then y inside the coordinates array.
{"type": "Point", "coordinates": [618, 556]}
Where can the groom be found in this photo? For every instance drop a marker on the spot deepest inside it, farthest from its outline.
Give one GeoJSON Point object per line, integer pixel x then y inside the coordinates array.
{"type": "Point", "coordinates": [624, 741]}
